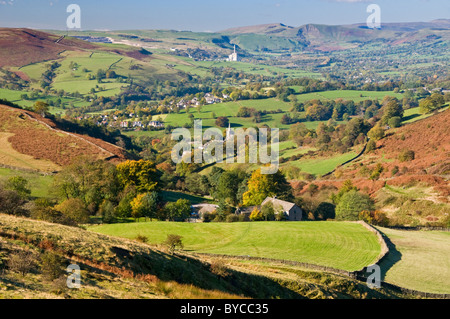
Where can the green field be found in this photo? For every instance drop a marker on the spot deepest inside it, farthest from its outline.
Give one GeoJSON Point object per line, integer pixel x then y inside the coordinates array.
{"type": "Point", "coordinates": [341, 245]}
{"type": "Point", "coordinates": [202, 68]}
{"type": "Point", "coordinates": [15, 97]}
{"type": "Point", "coordinates": [412, 115]}
{"type": "Point", "coordinates": [419, 261]}
{"type": "Point", "coordinates": [353, 95]}
{"type": "Point", "coordinates": [38, 184]}
{"type": "Point", "coordinates": [230, 110]}
{"type": "Point", "coordinates": [322, 166]}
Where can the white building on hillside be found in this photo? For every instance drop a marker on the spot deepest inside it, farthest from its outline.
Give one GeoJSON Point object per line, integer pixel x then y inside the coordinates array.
{"type": "Point", "coordinates": [234, 56]}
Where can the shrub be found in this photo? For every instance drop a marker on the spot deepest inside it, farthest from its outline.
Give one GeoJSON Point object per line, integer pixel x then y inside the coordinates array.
{"type": "Point", "coordinates": [395, 121]}
{"type": "Point", "coordinates": [209, 217]}
{"type": "Point", "coordinates": [232, 218]}
{"type": "Point", "coordinates": [42, 210]}
{"type": "Point", "coordinates": [371, 146]}
{"type": "Point", "coordinates": [11, 203]}
{"type": "Point", "coordinates": [376, 172]}
{"type": "Point", "coordinates": [218, 218]}
{"type": "Point", "coordinates": [218, 268]}
{"type": "Point", "coordinates": [141, 239]}
{"type": "Point", "coordinates": [376, 218]}
{"type": "Point", "coordinates": [243, 218]}
{"type": "Point", "coordinates": [394, 171]}
{"type": "Point", "coordinates": [52, 265]}
{"type": "Point", "coordinates": [380, 219]}
{"type": "Point", "coordinates": [173, 242]}
{"type": "Point", "coordinates": [256, 215]}
{"type": "Point", "coordinates": [407, 156]}
{"type": "Point", "coordinates": [280, 216]}
{"type": "Point", "coordinates": [22, 262]}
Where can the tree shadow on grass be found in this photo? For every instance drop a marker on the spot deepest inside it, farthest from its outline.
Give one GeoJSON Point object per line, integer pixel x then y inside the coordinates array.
{"type": "Point", "coordinates": [391, 258]}
{"type": "Point", "coordinates": [410, 117]}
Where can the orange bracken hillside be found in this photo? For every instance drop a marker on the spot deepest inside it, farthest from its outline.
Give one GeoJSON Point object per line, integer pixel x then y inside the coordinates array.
{"type": "Point", "coordinates": [29, 141]}
{"type": "Point", "coordinates": [429, 139]}
{"type": "Point", "coordinates": [20, 47]}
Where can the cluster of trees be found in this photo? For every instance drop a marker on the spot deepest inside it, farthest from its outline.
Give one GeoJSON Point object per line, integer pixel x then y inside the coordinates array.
{"type": "Point", "coordinates": [348, 203]}
{"type": "Point", "coordinates": [49, 74]}
{"type": "Point", "coordinates": [90, 188]}
{"type": "Point", "coordinates": [433, 102]}
{"type": "Point", "coordinates": [340, 138]}
{"type": "Point", "coordinates": [12, 81]}
{"type": "Point", "coordinates": [330, 136]}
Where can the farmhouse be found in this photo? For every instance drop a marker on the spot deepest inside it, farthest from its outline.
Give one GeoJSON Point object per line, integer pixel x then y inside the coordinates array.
{"type": "Point", "coordinates": [290, 210]}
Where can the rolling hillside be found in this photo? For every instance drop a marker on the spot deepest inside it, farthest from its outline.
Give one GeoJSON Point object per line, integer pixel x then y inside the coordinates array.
{"type": "Point", "coordinates": [411, 192]}
{"type": "Point", "coordinates": [331, 37]}
{"type": "Point", "coordinates": [24, 46]}
{"type": "Point", "coordinates": [115, 268]}
{"type": "Point", "coordinates": [31, 142]}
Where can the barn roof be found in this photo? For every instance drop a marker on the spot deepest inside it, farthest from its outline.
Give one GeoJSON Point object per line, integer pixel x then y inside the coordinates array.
{"type": "Point", "coordinates": [277, 202]}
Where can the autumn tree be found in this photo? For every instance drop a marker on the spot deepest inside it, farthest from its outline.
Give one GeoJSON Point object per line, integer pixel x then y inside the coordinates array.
{"type": "Point", "coordinates": [89, 180]}
{"type": "Point", "coordinates": [179, 210]}
{"type": "Point", "coordinates": [261, 186]}
{"type": "Point", "coordinates": [222, 121]}
{"type": "Point", "coordinates": [376, 133]}
{"type": "Point", "coordinates": [141, 174]}
{"type": "Point", "coordinates": [390, 110]}
{"type": "Point", "coordinates": [318, 112]}
{"type": "Point", "coordinates": [75, 209]}
{"type": "Point", "coordinates": [431, 103]}
{"type": "Point", "coordinates": [40, 108]}
{"type": "Point", "coordinates": [256, 215]}
{"type": "Point", "coordinates": [144, 205]}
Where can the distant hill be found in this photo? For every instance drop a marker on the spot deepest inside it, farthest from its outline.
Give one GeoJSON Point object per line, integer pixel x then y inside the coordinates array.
{"type": "Point", "coordinates": [273, 28]}
{"type": "Point", "coordinates": [336, 37]}
{"type": "Point", "coordinates": [21, 46]}
{"type": "Point", "coordinates": [25, 46]}
{"type": "Point", "coordinates": [30, 142]}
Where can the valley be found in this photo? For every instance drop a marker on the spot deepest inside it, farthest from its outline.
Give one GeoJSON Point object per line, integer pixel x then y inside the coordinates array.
{"type": "Point", "coordinates": [87, 174]}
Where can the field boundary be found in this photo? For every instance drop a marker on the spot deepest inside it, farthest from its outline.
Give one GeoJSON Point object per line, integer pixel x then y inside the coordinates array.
{"type": "Point", "coordinates": [349, 161]}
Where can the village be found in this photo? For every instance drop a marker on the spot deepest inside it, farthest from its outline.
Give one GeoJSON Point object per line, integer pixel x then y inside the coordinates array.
{"type": "Point", "coordinates": [132, 120]}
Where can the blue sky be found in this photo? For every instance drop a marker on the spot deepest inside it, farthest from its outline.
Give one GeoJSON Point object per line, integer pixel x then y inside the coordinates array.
{"type": "Point", "coordinates": [213, 15]}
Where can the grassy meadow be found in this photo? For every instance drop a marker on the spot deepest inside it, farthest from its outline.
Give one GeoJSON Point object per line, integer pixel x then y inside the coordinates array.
{"type": "Point", "coordinates": [37, 183]}
{"type": "Point", "coordinates": [347, 246]}
{"type": "Point", "coordinates": [420, 260]}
